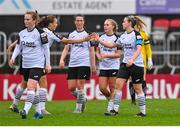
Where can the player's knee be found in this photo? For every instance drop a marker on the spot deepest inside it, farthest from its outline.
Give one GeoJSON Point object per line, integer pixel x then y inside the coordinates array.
{"type": "Point", "coordinates": [24, 84]}
{"type": "Point", "coordinates": [102, 88]}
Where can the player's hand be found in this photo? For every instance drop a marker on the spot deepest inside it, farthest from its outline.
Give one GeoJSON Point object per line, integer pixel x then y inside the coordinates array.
{"type": "Point", "coordinates": [130, 63]}
{"type": "Point", "coordinates": [93, 70]}
{"type": "Point", "coordinates": [99, 57]}
{"type": "Point", "coordinates": [94, 37]}
{"type": "Point", "coordinates": [61, 64]}
{"type": "Point", "coordinates": [87, 38]}
{"type": "Point", "coordinates": [8, 50]}
{"type": "Point", "coordinates": [48, 69]}
{"type": "Point", "coordinates": [11, 62]}
{"type": "Point", "coordinates": [150, 64]}
{"type": "Point", "coordinates": [103, 56]}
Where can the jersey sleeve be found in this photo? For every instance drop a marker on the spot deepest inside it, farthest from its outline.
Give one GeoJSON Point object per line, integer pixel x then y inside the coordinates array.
{"type": "Point", "coordinates": [56, 37]}
{"type": "Point", "coordinates": [119, 43]}
{"type": "Point", "coordinates": [18, 39]}
{"type": "Point", "coordinates": [139, 39]}
{"type": "Point", "coordinates": [93, 44]}
{"type": "Point", "coordinates": [43, 36]}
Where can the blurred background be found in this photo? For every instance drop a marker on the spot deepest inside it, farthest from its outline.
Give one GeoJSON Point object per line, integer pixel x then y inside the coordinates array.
{"type": "Point", "coordinates": [163, 26]}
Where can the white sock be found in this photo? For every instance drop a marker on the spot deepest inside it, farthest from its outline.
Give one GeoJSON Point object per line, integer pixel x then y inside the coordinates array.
{"type": "Point", "coordinates": [142, 103]}
{"type": "Point", "coordinates": [37, 103]}
{"type": "Point", "coordinates": [117, 99]}
{"type": "Point", "coordinates": [19, 92]}
{"type": "Point", "coordinates": [29, 100]}
{"type": "Point", "coordinates": [110, 105]}
{"type": "Point", "coordinates": [42, 95]}
{"type": "Point", "coordinates": [80, 99]}
{"type": "Point", "coordinates": [74, 93]}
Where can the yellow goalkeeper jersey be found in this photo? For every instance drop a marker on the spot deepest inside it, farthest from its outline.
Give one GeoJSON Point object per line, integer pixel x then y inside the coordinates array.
{"type": "Point", "coordinates": [146, 47]}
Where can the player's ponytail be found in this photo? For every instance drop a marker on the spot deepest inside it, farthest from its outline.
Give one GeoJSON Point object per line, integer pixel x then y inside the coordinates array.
{"type": "Point", "coordinates": [38, 18]}
{"type": "Point", "coordinates": [46, 20]}
{"type": "Point", "coordinates": [140, 24]}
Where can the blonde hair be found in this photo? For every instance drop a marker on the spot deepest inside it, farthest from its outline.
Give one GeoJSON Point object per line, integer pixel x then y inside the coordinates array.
{"type": "Point", "coordinates": [34, 14]}
{"type": "Point", "coordinates": [137, 22]}
{"type": "Point", "coordinates": [140, 24]}
{"type": "Point", "coordinates": [114, 23]}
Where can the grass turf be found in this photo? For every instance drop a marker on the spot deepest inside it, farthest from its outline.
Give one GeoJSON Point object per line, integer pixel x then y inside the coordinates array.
{"type": "Point", "coordinates": [159, 112]}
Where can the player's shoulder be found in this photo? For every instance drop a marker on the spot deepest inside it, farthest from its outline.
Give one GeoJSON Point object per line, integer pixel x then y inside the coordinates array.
{"type": "Point", "coordinates": [22, 29]}
{"type": "Point", "coordinates": [136, 32]}
{"type": "Point", "coordinates": [138, 35]}
{"type": "Point", "coordinates": [72, 32]}
{"type": "Point", "coordinates": [40, 30]}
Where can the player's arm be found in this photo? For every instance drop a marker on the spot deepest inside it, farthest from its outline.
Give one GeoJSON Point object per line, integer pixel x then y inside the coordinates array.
{"type": "Point", "coordinates": [92, 60]}
{"type": "Point", "coordinates": [63, 56]}
{"type": "Point", "coordinates": [11, 46]}
{"type": "Point", "coordinates": [116, 54]}
{"type": "Point", "coordinates": [45, 46]}
{"type": "Point", "coordinates": [16, 52]}
{"type": "Point", "coordinates": [67, 40]}
{"type": "Point", "coordinates": [105, 43]}
{"type": "Point", "coordinates": [98, 54]}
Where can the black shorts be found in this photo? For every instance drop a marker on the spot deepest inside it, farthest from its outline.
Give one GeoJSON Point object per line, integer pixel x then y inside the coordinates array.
{"type": "Point", "coordinates": [82, 72]}
{"type": "Point", "coordinates": [108, 73]}
{"type": "Point", "coordinates": [32, 73]}
{"type": "Point", "coordinates": [134, 71]}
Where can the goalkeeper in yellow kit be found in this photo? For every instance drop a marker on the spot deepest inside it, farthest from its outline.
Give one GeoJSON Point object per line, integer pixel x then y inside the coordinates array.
{"type": "Point", "coordinates": [147, 57]}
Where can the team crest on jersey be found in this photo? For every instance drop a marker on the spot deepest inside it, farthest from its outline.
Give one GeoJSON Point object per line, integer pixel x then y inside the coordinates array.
{"type": "Point", "coordinates": [44, 38]}
{"type": "Point", "coordinates": [43, 34]}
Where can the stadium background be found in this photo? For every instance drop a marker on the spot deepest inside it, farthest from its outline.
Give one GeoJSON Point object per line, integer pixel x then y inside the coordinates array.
{"type": "Point", "coordinates": [162, 17]}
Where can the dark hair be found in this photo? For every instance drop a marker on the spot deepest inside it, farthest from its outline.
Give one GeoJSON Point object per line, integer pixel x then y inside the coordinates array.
{"type": "Point", "coordinates": [79, 15]}
{"type": "Point", "coordinates": [46, 20]}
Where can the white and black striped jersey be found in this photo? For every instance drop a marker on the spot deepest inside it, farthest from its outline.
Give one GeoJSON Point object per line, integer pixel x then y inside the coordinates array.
{"type": "Point", "coordinates": [108, 63]}
{"type": "Point", "coordinates": [129, 41]}
{"type": "Point", "coordinates": [80, 52]}
{"type": "Point", "coordinates": [35, 48]}
{"type": "Point", "coordinates": [52, 36]}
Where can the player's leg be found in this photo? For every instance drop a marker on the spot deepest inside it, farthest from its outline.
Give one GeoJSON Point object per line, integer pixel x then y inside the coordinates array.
{"type": "Point", "coordinates": [32, 77]}
{"type": "Point", "coordinates": [80, 104]}
{"type": "Point", "coordinates": [72, 84]}
{"type": "Point", "coordinates": [103, 84]}
{"type": "Point", "coordinates": [19, 91]}
{"type": "Point", "coordinates": [112, 83]}
{"type": "Point", "coordinates": [43, 94]}
{"type": "Point", "coordinates": [83, 75]}
{"type": "Point", "coordinates": [137, 78]}
{"type": "Point", "coordinates": [72, 80]}
{"type": "Point", "coordinates": [132, 92]}
{"type": "Point", "coordinates": [144, 86]}
{"type": "Point", "coordinates": [122, 76]}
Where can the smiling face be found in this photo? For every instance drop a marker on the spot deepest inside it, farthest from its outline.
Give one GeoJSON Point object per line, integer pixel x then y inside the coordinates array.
{"type": "Point", "coordinates": [79, 22]}
{"type": "Point", "coordinates": [108, 27]}
{"type": "Point", "coordinates": [29, 21]}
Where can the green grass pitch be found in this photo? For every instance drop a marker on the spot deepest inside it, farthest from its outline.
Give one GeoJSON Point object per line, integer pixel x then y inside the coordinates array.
{"type": "Point", "coordinates": [159, 112]}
